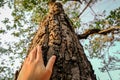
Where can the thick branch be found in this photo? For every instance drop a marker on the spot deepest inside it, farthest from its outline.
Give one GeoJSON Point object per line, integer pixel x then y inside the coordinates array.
{"type": "Point", "coordinates": [109, 30]}
{"type": "Point", "coordinates": [97, 31]}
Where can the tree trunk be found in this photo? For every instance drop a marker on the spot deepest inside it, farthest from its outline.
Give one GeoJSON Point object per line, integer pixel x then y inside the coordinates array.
{"type": "Point", "coordinates": [57, 37]}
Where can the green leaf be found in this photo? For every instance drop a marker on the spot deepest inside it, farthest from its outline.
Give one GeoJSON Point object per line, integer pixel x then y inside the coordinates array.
{"type": "Point", "coordinates": [16, 34]}
{"type": "Point", "coordinates": [6, 20]}
{"type": "Point", "coordinates": [2, 31]}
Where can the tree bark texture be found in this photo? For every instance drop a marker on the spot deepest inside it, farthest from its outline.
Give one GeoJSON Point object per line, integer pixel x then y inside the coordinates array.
{"type": "Point", "coordinates": [57, 37]}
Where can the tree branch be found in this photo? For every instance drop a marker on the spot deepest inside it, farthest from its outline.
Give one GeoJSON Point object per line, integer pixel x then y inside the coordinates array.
{"type": "Point", "coordinates": [97, 31]}
{"type": "Point", "coordinates": [2, 3]}
{"type": "Point", "coordinates": [85, 8]}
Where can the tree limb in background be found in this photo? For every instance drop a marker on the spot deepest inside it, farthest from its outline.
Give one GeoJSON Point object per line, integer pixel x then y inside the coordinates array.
{"type": "Point", "coordinates": [97, 31]}
{"type": "Point", "coordinates": [85, 8]}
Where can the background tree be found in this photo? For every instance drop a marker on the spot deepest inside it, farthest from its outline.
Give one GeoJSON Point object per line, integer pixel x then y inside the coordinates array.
{"type": "Point", "coordinates": [35, 11]}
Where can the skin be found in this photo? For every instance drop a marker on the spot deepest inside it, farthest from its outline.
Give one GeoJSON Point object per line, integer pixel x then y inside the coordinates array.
{"type": "Point", "coordinates": [34, 68]}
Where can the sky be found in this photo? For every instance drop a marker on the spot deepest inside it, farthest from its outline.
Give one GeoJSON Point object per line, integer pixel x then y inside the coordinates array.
{"type": "Point", "coordinates": [99, 7]}
{"type": "Point", "coordinates": [87, 16]}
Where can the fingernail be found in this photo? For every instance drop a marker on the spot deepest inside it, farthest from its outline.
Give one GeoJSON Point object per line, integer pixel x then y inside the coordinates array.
{"type": "Point", "coordinates": [54, 56]}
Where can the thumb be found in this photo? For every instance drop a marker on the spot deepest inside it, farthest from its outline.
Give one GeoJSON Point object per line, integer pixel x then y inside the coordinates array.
{"type": "Point", "coordinates": [49, 66]}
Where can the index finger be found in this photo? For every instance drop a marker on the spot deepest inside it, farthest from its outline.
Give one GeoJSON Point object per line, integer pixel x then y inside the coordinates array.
{"type": "Point", "coordinates": [39, 54]}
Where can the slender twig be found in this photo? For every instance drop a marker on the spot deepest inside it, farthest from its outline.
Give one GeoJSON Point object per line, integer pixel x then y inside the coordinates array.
{"type": "Point", "coordinates": [108, 73]}
{"type": "Point", "coordinates": [85, 8]}
{"type": "Point", "coordinates": [2, 3]}
{"type": "Point", "coordinates": [91, 9]}
{"type": "Point", "coordinates": [98, 78]}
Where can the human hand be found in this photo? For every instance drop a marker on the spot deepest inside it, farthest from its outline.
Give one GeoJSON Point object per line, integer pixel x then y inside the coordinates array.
{"type": "Point", "coordinates": [34, 68]}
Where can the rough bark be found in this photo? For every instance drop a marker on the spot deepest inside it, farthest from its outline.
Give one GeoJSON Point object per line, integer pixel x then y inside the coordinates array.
{"type": "Point", "coordinates": [57, 37]}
